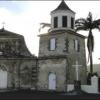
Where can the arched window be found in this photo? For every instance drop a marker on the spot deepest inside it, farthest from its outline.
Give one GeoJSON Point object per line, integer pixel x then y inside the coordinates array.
{"type": "Point", "coordinates": [3, 77]}
{"type": "Point", "coordinates": [52, 44]}
{"type": "Point", "coordinates": [2, 47]}
{"type": "Point", "coordinates": [72, 22]}
{"type": "Point", "coordinates": [76, 45]}
{"type": "Point", "coordinates": [55, 22]}
{"type": "Point", "coordinates": [64, 21]}
{"type": "Point", "coordinates": [52, 81]}
{"type": "Point", "coordinates": [3, 68]}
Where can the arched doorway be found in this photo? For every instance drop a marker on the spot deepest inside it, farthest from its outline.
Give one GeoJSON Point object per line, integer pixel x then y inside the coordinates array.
{"type": "Point", "coordinates": [3, 77]}
{"type": "Point", "coordinates": [52, 81]}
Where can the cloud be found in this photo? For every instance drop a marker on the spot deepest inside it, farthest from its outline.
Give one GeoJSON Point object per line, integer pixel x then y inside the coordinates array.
{"type": "Point", "coordinates": [26, 19]}
{"type": "Point", "coordinates": [21, 23]}
{"type": "Point", "coordinates": [13, 6]}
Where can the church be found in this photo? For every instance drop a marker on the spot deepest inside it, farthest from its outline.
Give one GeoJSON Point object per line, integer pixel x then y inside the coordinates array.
{"type": "Point", "coordinates": [59, 50]}
{"type": "Point", "coordinates": [16, 62]}
{"type": "Point", "coordinates": [53, 69]}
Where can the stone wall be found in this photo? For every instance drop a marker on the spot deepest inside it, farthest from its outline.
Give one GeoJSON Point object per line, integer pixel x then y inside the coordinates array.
{"type": "Point", "coordinates": [26, 73]}
{"type": "Point", "coordinates": [71, 54]}
{"type": "Point", "coordinates": [60, 43]}
{"type": "Point", "coordinates": [19, 72]}
{"type": "Point", "coordinates": [56, 66]}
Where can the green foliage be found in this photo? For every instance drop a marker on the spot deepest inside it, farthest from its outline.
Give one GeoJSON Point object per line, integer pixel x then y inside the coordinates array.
{"type": "Point", "coordinates": [88, 24]}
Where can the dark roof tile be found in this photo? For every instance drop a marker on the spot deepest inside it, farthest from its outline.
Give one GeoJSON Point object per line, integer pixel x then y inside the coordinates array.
{"type": "Point", "coordinates": [63, 6]}
{"type": "Point", "coordinates": [7, 33]}
{"type": "Point", "coordinates": [24, 52]}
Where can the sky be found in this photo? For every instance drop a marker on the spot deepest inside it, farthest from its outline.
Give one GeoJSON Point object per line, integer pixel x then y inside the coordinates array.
{"type": "Point", "coordinates": [24, 17]}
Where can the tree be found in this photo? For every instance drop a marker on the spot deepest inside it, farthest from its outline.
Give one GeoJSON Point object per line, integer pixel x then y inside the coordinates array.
{"type": "Point", "coordinates": [43, 25]}
{"type": "Point", "coordinates": [88, 24]}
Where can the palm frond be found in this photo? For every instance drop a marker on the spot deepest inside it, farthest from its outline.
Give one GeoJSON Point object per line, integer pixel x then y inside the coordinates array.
{"type": "Point", "coordinates": [80, 20]}
{"type": "Point", "coordinates": [81, 24]}
{"type": "Point", "coordinates": [78, 25]}
{"type": "Point", "coordinates": [43, 25]}
{"type": "Point", "coordinates": [99, 28]}
{"type": "Point", "coordinates": [80, 28]}
{"type": "Point", "coordinates": [89, 18]}
{"type": "Point", "coordinates": [88, 24]}
{"type": "Point", "coordinates": [96, 24]}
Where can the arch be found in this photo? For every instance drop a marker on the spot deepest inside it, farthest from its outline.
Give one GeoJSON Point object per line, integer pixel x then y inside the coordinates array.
{"type": "Point", "coordinates": [52, 81]}
{"type": "Point", "coordinates": [3, 76]}
{"type": "Point", "coordinates": [3, 67]}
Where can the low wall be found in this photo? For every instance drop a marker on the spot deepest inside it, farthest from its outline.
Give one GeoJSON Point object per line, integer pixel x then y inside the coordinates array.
{"type": "Point", "coordinates": [93, 88]}
{"type": "Point", "coordinates": [89, 88]}
{"type": "Point", "coordinates": [86, 88]}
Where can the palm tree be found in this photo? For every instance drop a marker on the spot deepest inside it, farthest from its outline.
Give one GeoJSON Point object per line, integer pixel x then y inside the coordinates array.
{"type": "Point", "coordinates": [43, 25]}
{"type": "Point", "coordinates": [88, 24]}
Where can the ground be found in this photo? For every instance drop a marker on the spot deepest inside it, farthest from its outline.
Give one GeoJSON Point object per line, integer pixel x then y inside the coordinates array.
{"type": "Point", "coordinates": [43, 95]}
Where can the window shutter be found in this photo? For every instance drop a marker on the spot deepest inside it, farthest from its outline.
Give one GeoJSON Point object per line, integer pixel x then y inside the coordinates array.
{"type": "Point", "coordinates": [56, 43]}
{"type": "Point", "coordinates": [49, 44]}
{"type": "Point", "coordinates": [74, 44]}
{"type": "Point", "coordinates": [67, 44]}
{"type": "Point", "coordinates": [55, 22]}
{"type": "Point", "coordinates": [78, 46]}
{"type": "Point", "coordinates": [72, 22]}
{"type": "Point", "coordinates": [64, 21]}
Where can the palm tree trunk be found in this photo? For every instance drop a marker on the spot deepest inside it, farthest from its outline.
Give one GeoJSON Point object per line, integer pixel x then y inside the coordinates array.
{"type": "Point", "coordinates": [90, 45]}
{"type": "Point", "coordinates": [91, 64]}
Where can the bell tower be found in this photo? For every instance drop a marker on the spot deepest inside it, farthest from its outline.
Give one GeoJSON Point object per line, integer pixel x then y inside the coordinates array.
{"type": "Point", "coordinates": [59, 50]}
{"type": "Point", "coordinates": [62, 18]}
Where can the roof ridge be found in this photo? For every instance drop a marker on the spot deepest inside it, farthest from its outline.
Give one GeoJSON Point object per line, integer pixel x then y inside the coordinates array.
{"type": "Point", "coordinates": [3, 32]}
{"type": "Point", "coordinates": [63, 6]}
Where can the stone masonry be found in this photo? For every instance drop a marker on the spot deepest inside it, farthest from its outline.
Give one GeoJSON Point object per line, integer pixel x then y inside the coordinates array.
{"type": "Point", "coordinates": [60, 61]}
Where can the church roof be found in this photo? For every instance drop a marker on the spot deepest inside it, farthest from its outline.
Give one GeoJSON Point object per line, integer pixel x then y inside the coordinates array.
{"type": "Point", "coordinates": [63, 6]}
{"type": "Point", "coordinates": [7, 33]}
{"type": "Point", "coordinates": [9, 39]}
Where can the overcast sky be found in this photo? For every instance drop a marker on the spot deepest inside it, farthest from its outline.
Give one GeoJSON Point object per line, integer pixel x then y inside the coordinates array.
{"type": "Point", "coordinates": [24, 17]}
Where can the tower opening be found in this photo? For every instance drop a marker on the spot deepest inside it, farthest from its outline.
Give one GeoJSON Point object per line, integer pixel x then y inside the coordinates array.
{"type": "Point", "coordinates": [55, 22]}
{"type": "Point", "coordinates": [64, 21]}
